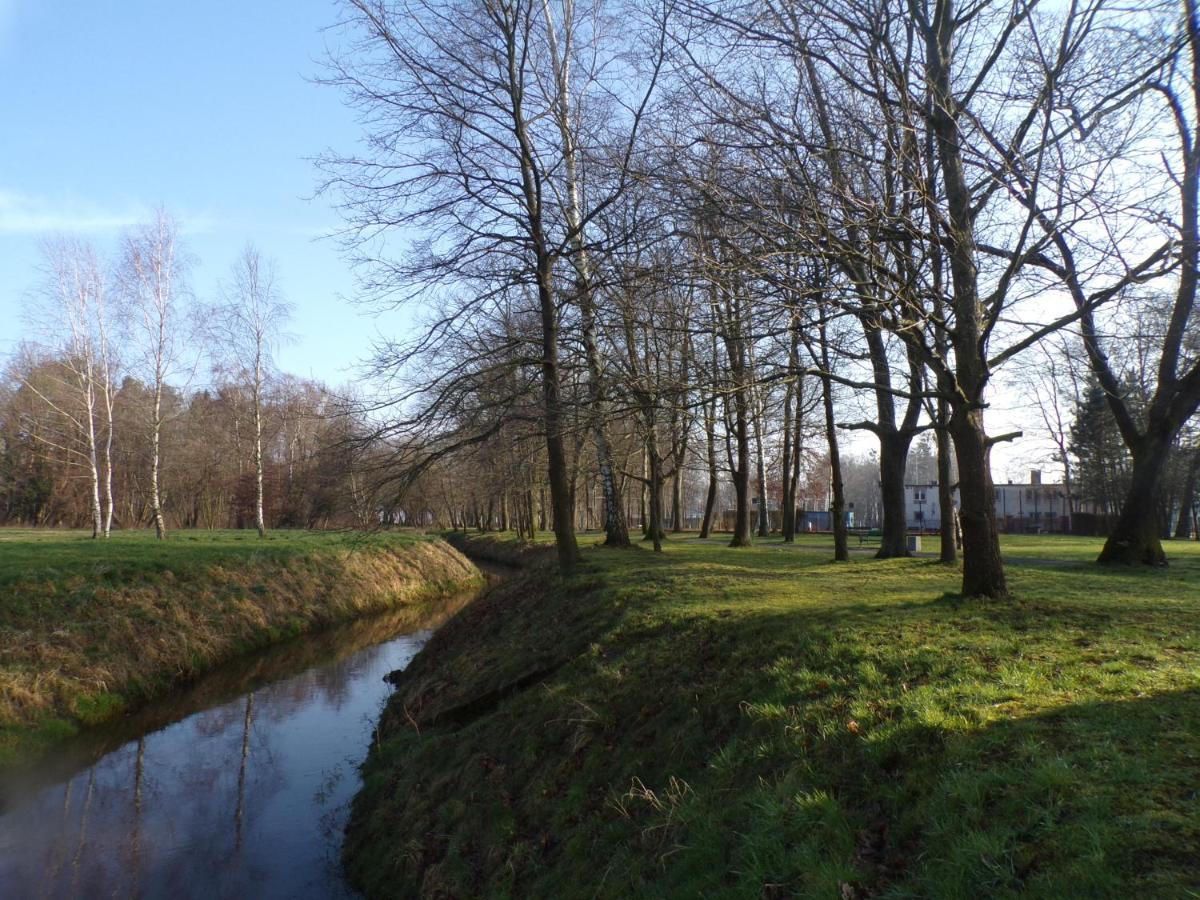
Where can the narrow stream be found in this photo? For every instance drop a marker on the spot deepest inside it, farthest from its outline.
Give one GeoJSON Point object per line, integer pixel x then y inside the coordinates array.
{"type": "Point", "coordinates": [238, 786]}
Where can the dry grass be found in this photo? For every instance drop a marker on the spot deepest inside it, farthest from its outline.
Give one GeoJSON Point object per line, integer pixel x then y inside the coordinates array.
{"type": "Point", "coordinates": [88, 629]}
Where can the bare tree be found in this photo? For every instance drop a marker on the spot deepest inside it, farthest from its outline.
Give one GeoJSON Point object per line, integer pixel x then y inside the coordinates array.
{"type": "Point", "coordinates": [562, 33]}
{"type": "Point", "coordinates": [475, 122]}
{"type": "Point", "coordinates": [988, 129]}
{"type": "Point", "coordinates": [106, 367]}
{"type": "Point", "coordinates": [72, 314]}
{"type": "Point", "coordinates": [249, 326]}
{"type": "Point", "coordinates": [1175, 396]}
{"type": "Point", "coordinates": [1054, 387]}
{"type": "Point", "coordinates": [153, 277]}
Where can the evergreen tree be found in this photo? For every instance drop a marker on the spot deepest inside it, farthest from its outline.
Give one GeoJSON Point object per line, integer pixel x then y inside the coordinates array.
{"type": "Point", "coordinates": [1102, 461]}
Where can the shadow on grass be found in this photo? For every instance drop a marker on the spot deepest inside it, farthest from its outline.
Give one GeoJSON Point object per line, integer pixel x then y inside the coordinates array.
{"type": "Point", "coordinates": [698, 765]}
{"type": "Point", "coordinates": [1085, 800]}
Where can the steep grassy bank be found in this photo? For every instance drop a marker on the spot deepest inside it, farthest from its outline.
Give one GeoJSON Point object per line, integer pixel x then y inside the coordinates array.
{"type": "Point", "coordinates": [89, 628]}
{"type": "Point", "coordinates": [764, 722]}
{"type": "Point", "coordinates": [501, 549]}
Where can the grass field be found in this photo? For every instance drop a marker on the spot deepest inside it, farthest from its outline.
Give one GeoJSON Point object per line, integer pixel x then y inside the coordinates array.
{"type": "Point", "coordinates": [89, 627]}
{"type": "Point", "coordinates": [43, 554]}
{"type": "Point", "coordinates": [712, 722]}
{"type": "Point", "coordinates": [1055, 547]}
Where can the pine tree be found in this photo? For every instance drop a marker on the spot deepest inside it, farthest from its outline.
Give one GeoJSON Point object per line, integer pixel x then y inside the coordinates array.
{"type": "Point", "coordinates": [1102, 461]}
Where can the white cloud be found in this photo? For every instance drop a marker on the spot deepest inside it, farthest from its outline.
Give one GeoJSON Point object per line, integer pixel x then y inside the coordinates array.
{"type": "Point", "coordinates": [24, 214]}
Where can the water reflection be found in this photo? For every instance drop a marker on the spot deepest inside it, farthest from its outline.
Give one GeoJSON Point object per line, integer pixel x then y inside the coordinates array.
{"type": "Point", "coordinates": [237, 787]}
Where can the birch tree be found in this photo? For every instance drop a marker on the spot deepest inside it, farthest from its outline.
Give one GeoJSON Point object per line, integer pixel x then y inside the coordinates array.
{"type": "Point", "coordinates": [72, 314]}
{"type": "Point", "coordinates": [154, 281]}
{"type": "Point", "coordinates": [107, 362]}
{"type": "Point", "coordinates": [249, 326]}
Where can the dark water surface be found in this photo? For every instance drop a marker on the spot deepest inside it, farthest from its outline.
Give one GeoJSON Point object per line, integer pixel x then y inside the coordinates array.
{"type": "Point", "coordinates": [238, 786]}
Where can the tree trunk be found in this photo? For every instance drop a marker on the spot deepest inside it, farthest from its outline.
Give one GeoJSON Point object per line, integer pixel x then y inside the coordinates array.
{"type": "Point", "coordinates": [94, 499]}
{"type": "Point", "coordinates": [789, 534]}
{"type": "Point", "coordinates": [894, 440]}
{"type": "Point", "coordinates": [761, 471]}
{"type": "Point", "coordinates": [677, 494]}
{"type": "Point", "coordinates": [260, 522]}
{"type": "Point", "coordinates": [787, 511]}
{"type": "Point", "coordinates": [160, 527]}
{"type": "Point", "coordinates": [642, 488]}
{"type": "Point", "coordinates": [655, 486]}
{"type": "Point", "coordinates": [89, 391]}
{"type": "Point", "coordinates": [983, 569]}
{"type": "Point", "coordinates": [893, 457]}
{"type": "Point", "coordinates": [560, 492]}
{"type": "Point", "coordinates": [108, 465]}
{"type": "Point", "coordinates": [710, 436]}
{"type": "Point", "coordinates": [1135, 539]}
{"type": "Point", "coordinates": [616, 534]}
{"type": "Point", "coordinates": [947, 529]}
{"type": "Point", "coordinates": [837, 511]}
{"type": "Point", "coordinates": [1188, 500]}
{"type": "Point", "coordinates": [741, 475]}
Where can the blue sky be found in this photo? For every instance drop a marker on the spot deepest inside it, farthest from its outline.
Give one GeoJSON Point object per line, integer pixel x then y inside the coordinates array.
{"type": "Point", "coordinates": [113, 107]}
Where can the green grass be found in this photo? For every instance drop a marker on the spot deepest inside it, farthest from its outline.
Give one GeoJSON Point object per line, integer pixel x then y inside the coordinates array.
{"type": "Point", "coordinates": [89, 628]}
{"type": "Point", "coordinates": [1055, 547]}
{"type": "Point", "coordinates": [41, 554]}
{"type": "Point", "coordinates": [764, 722]}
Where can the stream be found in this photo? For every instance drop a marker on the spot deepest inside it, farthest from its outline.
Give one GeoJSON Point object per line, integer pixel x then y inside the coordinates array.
{"type": "Point", "coordinates": [237, 786]}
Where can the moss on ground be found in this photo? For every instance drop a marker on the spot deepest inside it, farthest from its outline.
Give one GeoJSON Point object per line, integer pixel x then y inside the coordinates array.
{"type": "Point", "coordinates": [711, 722]}
{"type": "Point", "coordinates": [89, 628]}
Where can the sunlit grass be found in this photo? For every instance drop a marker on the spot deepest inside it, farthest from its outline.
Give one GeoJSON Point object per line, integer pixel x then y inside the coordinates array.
{"type": "Point", "coordinates": [769, 722]}
{"type": "Point", "coordinates": [1058, 547]}
{"type": "Point", "coordinates": [34, 554]}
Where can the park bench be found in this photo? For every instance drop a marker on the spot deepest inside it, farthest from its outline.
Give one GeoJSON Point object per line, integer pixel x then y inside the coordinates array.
{"type": "Point", "coordinates": [867, 536]}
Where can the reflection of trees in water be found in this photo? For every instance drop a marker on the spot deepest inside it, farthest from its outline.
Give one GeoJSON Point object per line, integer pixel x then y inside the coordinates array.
{"type": "Point", "coordinates": [185, 810]}
{"type": "Point", "coordinates": [231, 682]}
{"type": "Point", "coordinates": [135, 833]}
{"type": "Point", "coordinates": [239, 814]}
{"type": "Point", "coordinates": [83, 824]}
{"type": "Point", "coordinates": [164, 814]}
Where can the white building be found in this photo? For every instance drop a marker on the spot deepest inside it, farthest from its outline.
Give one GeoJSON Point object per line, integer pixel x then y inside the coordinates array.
{"type": "Point", "coordinates": [921, 510]}
{"type": "Point", "coordinates": [1031, 507]}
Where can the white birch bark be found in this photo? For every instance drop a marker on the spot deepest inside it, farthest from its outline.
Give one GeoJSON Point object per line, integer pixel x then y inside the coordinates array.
{"type": "Point", "coordinates": [153, 273]}
{"type": "Point", "coordinates": [73, 296]}
{"type": "Point", "coordinates": [560, 60]}
{"type": "Point", "coordinates": [250, 320]}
